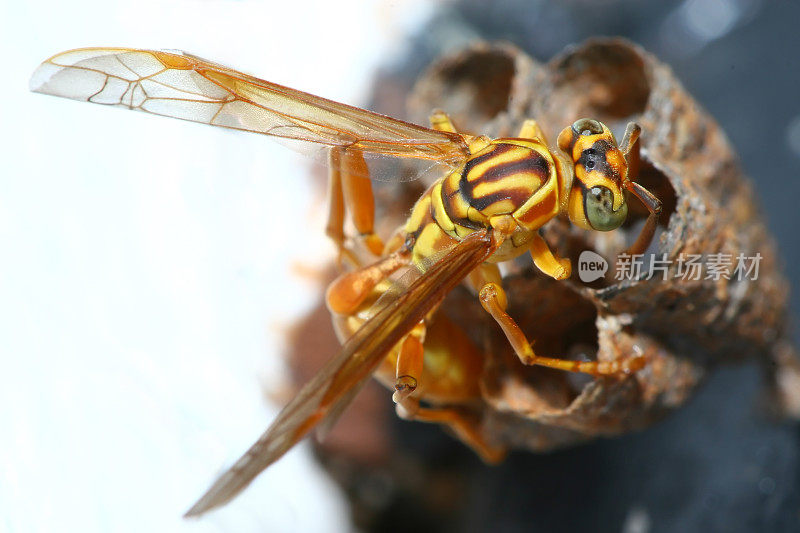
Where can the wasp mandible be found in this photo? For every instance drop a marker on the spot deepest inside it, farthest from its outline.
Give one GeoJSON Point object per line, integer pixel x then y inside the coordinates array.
{"type": "Point", "coordinates": [488, 208]}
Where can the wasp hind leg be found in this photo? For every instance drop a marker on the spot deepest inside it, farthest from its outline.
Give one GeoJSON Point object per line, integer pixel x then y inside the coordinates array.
{"type": "Point", "coordinates": [466, 426]}
{"type": "Point", "coordinates": [350, 189]}
{"type": "Point", "coordinates": [409, 368]}
{"type": "Point", "coordinates": [409, 363]}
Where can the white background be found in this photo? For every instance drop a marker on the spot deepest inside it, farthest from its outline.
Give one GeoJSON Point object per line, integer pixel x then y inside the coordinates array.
{"type": "Point", "coordinates": [145, 268]}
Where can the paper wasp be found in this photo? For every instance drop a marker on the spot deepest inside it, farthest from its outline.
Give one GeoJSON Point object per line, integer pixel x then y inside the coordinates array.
{"type": "Point", "coordinates": [493, 198]}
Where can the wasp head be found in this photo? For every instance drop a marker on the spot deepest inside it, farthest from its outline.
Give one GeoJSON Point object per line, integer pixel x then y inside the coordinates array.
{"type": "Point", "coordinates": [596, 200]}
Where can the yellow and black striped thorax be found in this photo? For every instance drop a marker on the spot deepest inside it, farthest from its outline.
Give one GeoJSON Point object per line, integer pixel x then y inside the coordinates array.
{"type": "Point", "coordinates": [514, 177]}
{"type": "Point", "coordinates": [509, 177]}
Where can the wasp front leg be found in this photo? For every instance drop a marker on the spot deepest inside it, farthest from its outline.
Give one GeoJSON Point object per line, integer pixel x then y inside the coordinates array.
{"type": "Point", "coordinates": [630, 150]}
{"type": "Point", "coordinates": [546, 261]}
{"type": "Point", "coordinates": [350, 189]}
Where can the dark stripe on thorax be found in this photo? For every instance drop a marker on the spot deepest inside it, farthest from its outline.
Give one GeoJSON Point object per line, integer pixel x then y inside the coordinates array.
{"type": "Point", "coordinates": [535, 164]}
{"type": "Point", "coordinates": [497, 149]}
{"type": "Point", "coordinates": [516, 195]}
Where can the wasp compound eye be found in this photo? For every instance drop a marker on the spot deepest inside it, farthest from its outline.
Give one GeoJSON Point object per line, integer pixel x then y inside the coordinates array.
{"type": "Point", "coordinates": [598, 204]}
{"type": "Point", "coordinates": [587, 126]}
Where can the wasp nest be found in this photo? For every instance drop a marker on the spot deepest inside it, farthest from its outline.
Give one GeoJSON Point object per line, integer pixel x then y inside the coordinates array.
{"type": "Point", "coordinates": [682, 324]}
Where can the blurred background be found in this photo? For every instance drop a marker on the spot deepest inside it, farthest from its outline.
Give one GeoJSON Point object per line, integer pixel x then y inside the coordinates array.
{"type": "Point", "coordinates": [146, 290]}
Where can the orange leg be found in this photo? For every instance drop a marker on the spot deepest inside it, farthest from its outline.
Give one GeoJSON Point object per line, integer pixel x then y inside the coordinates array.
{"type": "Point", "coordinates": [409, 370]}
{"type": "Point", "coordinates": [546, 261]}
{"type": "Point", "coordinates": [409, 363]}
{"type": "Point", "coordinates": [492, 297]}
{"type": "Point", "coordinates": [350, 189]}
{"type": "Point", "coordinates": [464, 426]}
{"type": "Point", "coordinates": [441, 122]}
{"type": "Point", "coordinates": [348, 291]}
{"type": "Point", "coordinates": [531, 130]}
{"type": "Point", "coordinates": [494, 300]}
{"type": "Point", "coordinates": [335, 227]}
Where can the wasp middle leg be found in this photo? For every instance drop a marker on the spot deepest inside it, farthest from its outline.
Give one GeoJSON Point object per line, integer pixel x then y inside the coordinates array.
{"type": "Point", "coordinates": [347, 292]}
{"type": "Point", "coordinates": [350, 189]}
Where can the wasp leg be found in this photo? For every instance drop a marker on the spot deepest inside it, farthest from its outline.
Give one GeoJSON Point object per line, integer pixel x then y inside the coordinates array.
{"type": "Point", "coordinates": [546, 261]}
{"type": "Point", "coordinates": [653, 205]}
{"type": "Point", "coordinates": [409, 363]}
{"type": "Point", "coordinates": [531, 130]}
{"type": "Point", "coordinates": [484, 274]}
{"type": "Point", "coordinates": [335, 227]}
{"type": "Point", "coordinates": [441, 122]}
{"type": "Point", "coordinates": [630, 149]}
{"type": "Point", "coordinates": [409, 369]}
{"type": "Point", "coordinates": [351, 189]}
{"type": "Point", "coordinates": [348, 291]}
{"type": "Point", "coordinates": [492, 297]}
{"type": "Point", "coordinates": [465, 427]}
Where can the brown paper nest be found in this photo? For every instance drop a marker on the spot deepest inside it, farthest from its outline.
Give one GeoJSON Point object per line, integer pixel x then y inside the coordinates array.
{"type": "Point", "coordinates": [683, 327]}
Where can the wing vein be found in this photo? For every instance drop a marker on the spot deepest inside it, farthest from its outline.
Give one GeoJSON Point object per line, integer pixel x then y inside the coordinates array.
{"type": "Point", "coordinates": [359, 357]}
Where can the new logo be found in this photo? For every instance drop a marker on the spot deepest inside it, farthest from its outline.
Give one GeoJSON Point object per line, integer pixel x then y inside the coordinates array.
{"type": "Point", "coordinates": [591, 266]}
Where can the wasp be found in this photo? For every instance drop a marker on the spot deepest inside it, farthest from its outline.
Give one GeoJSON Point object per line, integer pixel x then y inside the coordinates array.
{"type": "Point", "coordinates": [494, 196]}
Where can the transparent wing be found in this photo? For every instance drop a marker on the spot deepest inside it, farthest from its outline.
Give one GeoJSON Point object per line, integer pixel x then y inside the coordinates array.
{"type": "Point", "coordinates": [180, 85]}
{"type": "Point", "coordinates": [359, 357]}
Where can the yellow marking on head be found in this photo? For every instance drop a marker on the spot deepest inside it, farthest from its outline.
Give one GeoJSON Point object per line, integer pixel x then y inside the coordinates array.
{"type": "Point", "coordinates": [582, 142]}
